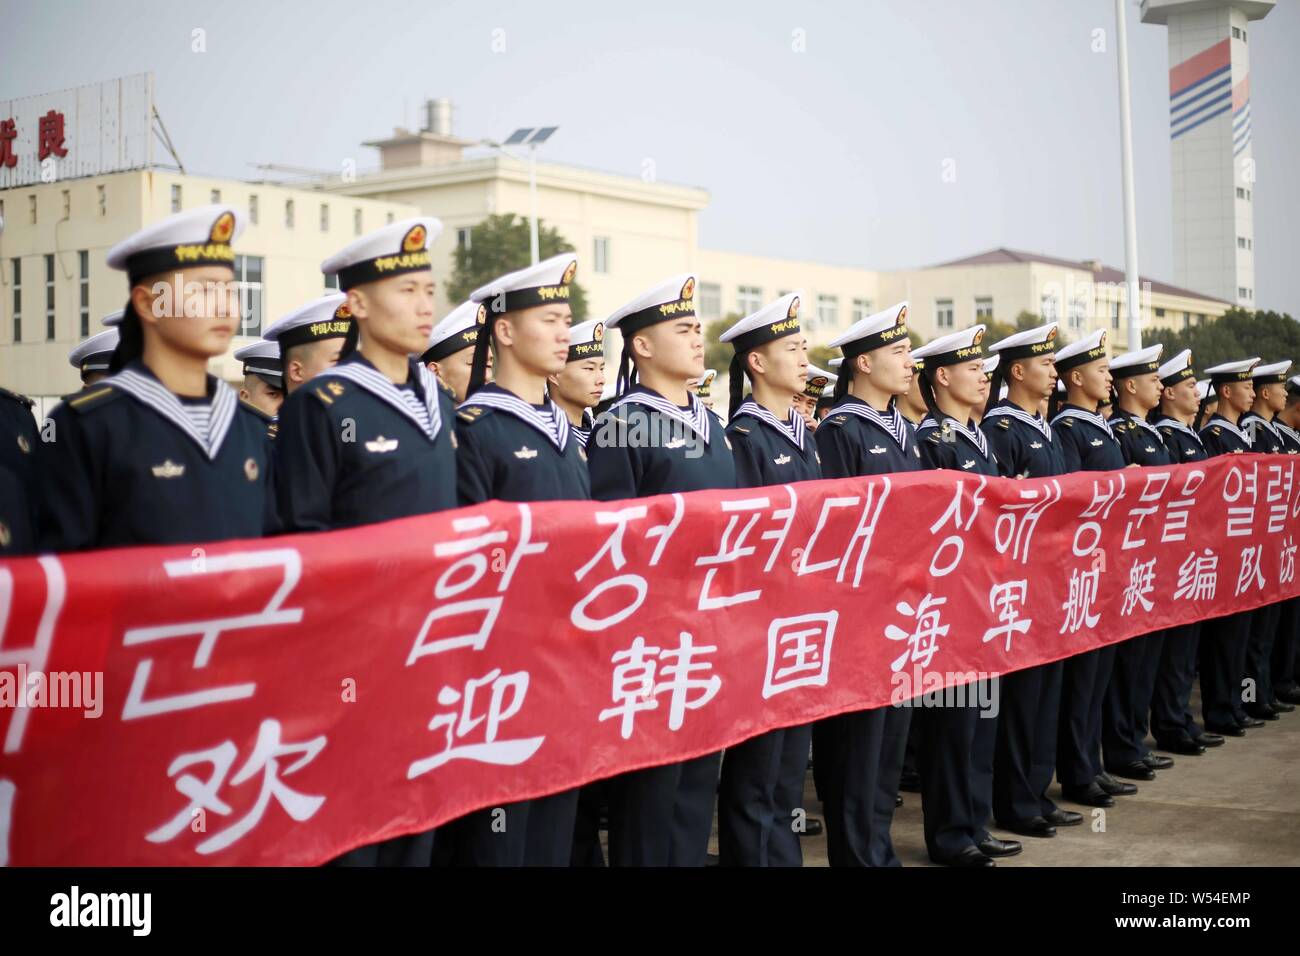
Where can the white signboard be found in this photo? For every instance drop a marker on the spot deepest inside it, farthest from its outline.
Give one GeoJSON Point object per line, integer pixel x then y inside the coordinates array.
{"type": "Point", "coordinates": [102, 128]}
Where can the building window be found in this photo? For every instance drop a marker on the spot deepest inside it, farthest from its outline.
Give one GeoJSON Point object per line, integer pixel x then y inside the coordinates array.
{"type": "Point", "coordinates": [49, 298]}
{"type": "Point", "coordinates": [600, 256]}
{"type": "Point", "coordinates": [288, 214]}
{"type": "Point", "coordinates": [710, 300]}
{"type": "Point", "coordinates": [101, 197]}
{"type": "Point", "coordinates": [248, 276]}
{"type": "Point", "coordinates": [31, 208]}
{"type": "Point", "coordinates": [943, 318]}
{"type": "Point", "coordinates": [749, 298]}
{"type": "Point", "coordinates": [176, 197]}
{"type": "Point", "coordinates": [828, 311]}
{"type": "Point", "coordinates": [1241, 242]}
{"type": "Point", "coordinates": [252, 210]}
{"type": "Point", "coordinates": [1079, 313]}
{"type": "Point", "coordinates": [1236, 33]}
{"type": "Point", "coordinates": [67, 204]}
{"type": "Point", "coordinates": [1114, 314]}
{"type": "Point", "coordinates": [861, 309]}
{"type": "Point", "coordinates": [215, 197]}
{"type": "Point", "coordinates": [1241, 193]}
{"type": "Point", "coordinates": [356, 223]}
{"type": "Point", "coordinates": [984, 308]}
{"type": "Point", "coordinates": [390, 219]}
{"type": "Point", "coordinates": [18, 300]}
{"type": "Point", "coordinates": [83, 262]}
{"type": "Point", "coordinates": [332, 283]}
{"type": "Point", "coordinates": [1160, 313]}
{"type": "Point", "coordinates": [324, 218]}
{"type": "Point", "coordinates": [1047, 306]}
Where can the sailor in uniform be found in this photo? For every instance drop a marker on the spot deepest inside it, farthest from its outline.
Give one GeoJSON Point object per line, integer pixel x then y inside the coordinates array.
{"type": "Point", "coordinates": [371, 438]}
{"type": "Point", "coordinates": [263, 386]}
{"type": "Point", "coordinates": [955, 744]}
{"type": "Point", "coordinates": [450, 354]}
{"type": "Point", "coordinates": [1285, 656]}
{"type": "Point", "coordinates": [858, 756]}
{"type": "Point", "coordinates": [1224, 639]}
{"type": "Point", "coordinates": [311, 338]}
{"type": "Point", "coordinates": [1026, 446]}
{"type": "Point", "coordinates": [1089, 445]}
{"type": "Point", "coordinates": [578, 388]}
{"type": "Point", "coordinates": [657, 438]}
{"type": "Point", "coordinates": [92, 357]}
{"type": "Point", "coordinates": [1172, 723]}
{"type": "Point", "coordinates": [516, 444]}
{"type": "Point", "coordinates": [819, 383]}
{"type": "Point", "coordinates": [18, 496]}
{"type": "Point", "coordinates": [760, 796]}
{"type": "Point", "coordinates": [1261, 427]}
{"type": "Point", "coordinates": [1136, 376]}
{"type": "Point", "coordinates": [161, 452]}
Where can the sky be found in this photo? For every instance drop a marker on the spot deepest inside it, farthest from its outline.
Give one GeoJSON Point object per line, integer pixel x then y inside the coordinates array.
{"type": "Point", "coordinates": [874, 133]}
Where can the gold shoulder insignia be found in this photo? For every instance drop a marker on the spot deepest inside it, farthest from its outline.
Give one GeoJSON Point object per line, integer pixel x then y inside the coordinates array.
{"type": "Point", "coordinates": [255, 410]}
{"type": "Point", "coordinates": [93, 399]}
{"type": "Point", "coordinates": [470, 413]}
{"type": "Point", "coordinates": [336, 388]}
{"type": "Point", "coordinates": [740, 428]}
{"type": "Point", "coordinates": [320, 393]}
{"type": "Point", "coordinates": [837, 419]}
{"type": "Point", "coordinates": [1004, 423]}
{"type": "Point", "coordinates": [1067, 422]}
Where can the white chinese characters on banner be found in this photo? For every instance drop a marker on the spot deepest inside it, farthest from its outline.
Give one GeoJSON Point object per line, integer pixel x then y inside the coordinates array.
{"type": "Point", "coordinates": [1141, 584]}
{"type": "Point", "coordinates": [643, 673]}
{"type": "Point", "coordinates": [1198, 576]}
{"type": "Point", "coordinates": [799, 652]}
{"type": "Point", "coordinates": [1084, 586]}
{"type": "Point", "coordinates": [205, 795]}
{"type": "Point", "coordinates": [505, 697]}
{"type": "Point", "coordinates": [1250, 574]}
{"type": "Point", "coordinates": [923, 639]}
{"type": "Point", "coordinates": [1007, 600]}
{"type": "Point", "coordinates": [1286, 573]}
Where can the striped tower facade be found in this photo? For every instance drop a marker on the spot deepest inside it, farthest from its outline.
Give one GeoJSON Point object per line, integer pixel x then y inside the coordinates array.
{"type": "Point", "coordinates": [1212, 167]}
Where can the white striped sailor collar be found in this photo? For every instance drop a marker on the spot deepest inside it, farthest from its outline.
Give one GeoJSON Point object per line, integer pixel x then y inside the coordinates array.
{"type": "Point", "coordinates": [1254, 416]}
{"type": "Point", "coordinates": [1011, 410]}
{"type": "Point", "coordinates": [1082, 414]}
{"type": "Point", "coordinates": [355, 368]}
{"type": "Point", "coordinates": [553, 424]}
{"type": "Point", "coordinates": [1179, 426]}
{"type": "Point", "coordinates": [793, 431]}
{"type": "Point", "coordinates": [1138, 419]}
{"type": "Point", "coordinates": [697, 419]}
{"type": "Point", "coordinates": [137, 381]}
{"type": "Point", "coordinates": [1286, 429]}
{"type": "Point", "coordinates": [1217, 419]}
{"type": "Point", "coordinates": [891, 421]}
{"type": "Point", "coordinates": [971, 434]}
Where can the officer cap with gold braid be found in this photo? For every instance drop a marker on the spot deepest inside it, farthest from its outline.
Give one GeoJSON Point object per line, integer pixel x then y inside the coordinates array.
{"type": "Point", "coordinates": [776, 320]}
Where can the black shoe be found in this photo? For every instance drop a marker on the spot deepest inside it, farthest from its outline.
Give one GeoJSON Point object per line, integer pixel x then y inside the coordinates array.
{"type": "Point", "coordinates": [898, 800]}
{"type": "Point", "coordinates": [910, 781]}
{"type": "Point", "coordinates": [1157, 762]}
{"type": "Point", "coordinates": [1114, 787]}
{"type": "Point", "coordinates": [1183, 745]}
{"type": "Point", "coordinates": [1223, 730]}
{"type": "Point", "coordinates": [969, 858]}
{"type": "Point", "coordinates": [993, 847]}
{"type": "Point", "coordinates": [1289, 696]}
{"type": "Point", "coordinates": [812, 827]}
{"type": "Point", "coordinates": [1281, 706]}
{"type": "Point", "coordinates": [1136, 770]}
{"type": "Point", "coordinates": [1251, 722]}
{"type": "Point", "coordinates": [1208, 740]}
{"type": "Point", "coordinates": [1262, 712]}
{"type": "Point", "coordinates": [1063, 818]}
{"type": "Point", "coordinates": [1090, 796]}
{"type": "Point", "coordinates": [1033, 827]}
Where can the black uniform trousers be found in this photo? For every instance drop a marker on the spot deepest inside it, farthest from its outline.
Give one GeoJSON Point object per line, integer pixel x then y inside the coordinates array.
{"type": "Point", "coordinates": [1025, 760]}
{"type": "Point", "coordinates": [760, 792]}
{"type": "Point", "coordinates": [1171, 712]}
{"type": "Point", "coordinates": [414, 849]}
{"type": "Point", "coordinates": [1128, 699]}
{"type": "Point", "coordinates": [662, 816]}
{"type": "Point", "coordinates": [1264, 623]}
{"type": "Point", "coordinates": [1284, 663]}
{"type": "Point", "coordinates": [955, 750]}
{"type": "Point", "coordinates": [1084, 682]}
{"type": "Point", "coordinates": [1222, 655]}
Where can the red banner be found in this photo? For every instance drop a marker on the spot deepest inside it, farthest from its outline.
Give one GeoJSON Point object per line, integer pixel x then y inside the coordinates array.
{"type": "Point", "coordinates": [283, 700]}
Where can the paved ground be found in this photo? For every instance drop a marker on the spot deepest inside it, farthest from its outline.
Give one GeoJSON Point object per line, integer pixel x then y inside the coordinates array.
{"type": "Point", "coordinates": [1238, 805]}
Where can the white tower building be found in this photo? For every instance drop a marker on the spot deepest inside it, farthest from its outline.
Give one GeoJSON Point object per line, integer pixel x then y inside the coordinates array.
{"type": "Point", "coordinates": [1213, 172]}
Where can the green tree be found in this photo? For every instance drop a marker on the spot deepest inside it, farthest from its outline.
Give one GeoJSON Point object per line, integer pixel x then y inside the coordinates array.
{"type": "Point", "coordinates": [821, 355]}
{"type": "Point", "coordinates": [718, 354]}
{"type": "Point", "coordinates": [1240, 333]}
{"type": "Point", "coordinates": [501, 244]}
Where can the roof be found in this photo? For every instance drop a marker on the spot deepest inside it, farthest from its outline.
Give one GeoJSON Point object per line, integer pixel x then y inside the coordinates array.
{"type": "Point", "coordinates": [1101, 273]}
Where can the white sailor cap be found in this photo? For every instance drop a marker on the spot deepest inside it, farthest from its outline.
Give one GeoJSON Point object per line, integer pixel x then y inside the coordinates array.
{"type": "Point", "coordinates": [773, 321]}
{"type": "Point", "coordinates": [113, 319]}
{"type": "Point", "coordinates": [549, 281]}
{"type": "Point", "coordinates": [195, 237]}
{"type": "Point", "coordinates": [953, 348]}
{"type": "Point", "coordinates": [1027, 344]}
{"type": "Point", "coordinates": [1090, 348]}
{"type": "Point", "coordinates": [397, 248]}
{"type": "Point", "coordinates": [704, 384]}
{"type": "Point", "coordinates": [1138, 362]}
{"type": "Point", "coordinates": [1202, 388]}
{"type": "Point", "coordinates": [1293, 383]}
{"type": "Point", "coordinates": [94, 354]}
{"type": "Point", "coordinates": [1232, 371]}
{"type": "Point", "coordinates": [879, 329]}
{"type": "Point", "coordinates": [457, 331]}
{"type": "Point", "coordinates": [836, 362]}
{"type": "Point", "coordinates": [819, 380]}
{"type": "Point", "coordinates": [1272, 374]}
{"type": "Point", "coordinates": [670, 299]}
{"type": "Point", "coordinates": [1003, 392]}
{"type": "Point", "coordinates": [324, 318]}
{"type": "Point", "coordinates": [587, 341]}
{"type": "Point", "coordinates": [1177, 368]}
{"type": "Point", "coordinates": [991, 365]}
{"type": "Point", "coordinates": [262, 359]}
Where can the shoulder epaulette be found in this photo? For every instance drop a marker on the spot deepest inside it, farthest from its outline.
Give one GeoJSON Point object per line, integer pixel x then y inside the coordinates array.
{"type": "Point", "coordinates": [1067, 422]}
{"type": "Point", "coordinates": [92, 398]}
{"type": "Point", "coordinates": [933, 436]}
{"type": "Point", "coordinates": [14, 396]}
{"type": "Point", "coordinates": [1004, 422]}
{"type": "Point", "coordinates": [328, 390]}
{"type": "Point", "coordinates": [250, 407]}
{"type": "Point", "coordinates": [472, 413]}
{"type": "Point", "coordinates": [739, 428]}
{"type": "Point", "coordinates": [836, 420]}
